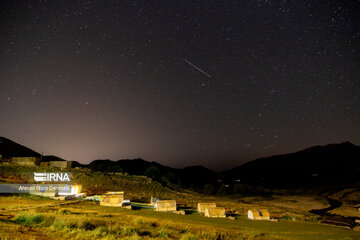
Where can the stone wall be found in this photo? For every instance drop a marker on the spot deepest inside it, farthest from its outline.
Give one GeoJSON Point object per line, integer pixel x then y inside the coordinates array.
{"type": "Point", "coordinates": [60, 164]}
{"type": "Point", "coordinates": [26, 161]}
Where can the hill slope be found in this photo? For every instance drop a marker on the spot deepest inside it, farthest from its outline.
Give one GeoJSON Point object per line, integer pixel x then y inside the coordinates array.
{"type": "Point", "coordinates": [316, 166]}
{"type": "Point", "coordinates": [10, 148]}
{"type": "Point", "coordinates": [196, 176]}
{"type": "Point", "coordinates": [334, 164]}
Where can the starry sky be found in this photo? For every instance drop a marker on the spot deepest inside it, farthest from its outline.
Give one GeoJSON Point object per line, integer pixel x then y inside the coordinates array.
{"type": "Point", "coordinates": [213, 83]}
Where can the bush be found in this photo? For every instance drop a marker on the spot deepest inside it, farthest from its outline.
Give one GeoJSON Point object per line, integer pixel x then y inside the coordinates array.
{"type": "Point", "coordinates": [58, 224]}
{"type": "Point", "coordinates": [48, 221]}
{"type": "Point", "coordinates": [242, 189]}
{"type": "Point", "coordinates": [153, 172]}
{"type": "Point", "coordinates": [208, 189]}
{"type": "Point", "coordinates": [134, 237]}
{"type": "Point", "coordinates": [189, 236]}
{"type": "Point", "coordinates": [316, 219]}
{"type": "Point", "coordinates": [259, 190]}
{"type": "Point", "coordinates": [127, 231]}
{"type": "Point", "coordinates": [64, 211]}
{"type": "Point", "coordinates": [29, 219]}
{"type": "Point", "coordinates": [185, 230]}
{"type": "Point", "coordinates": [86, 225]}
{"type": "Point", "coordinates": [20, 219]}
{"type": "Point", "coordinates": [163, 234]}
{"type": "Point", "coordinates": [210, 235]}
{"type": "Point", "coordinates": [248, 190]}
{"type": "Point", "coordinates": [114, 229]}
{"type": "Point", "coordinates": [101, 231]}
{"type": "Point", "coordinates": [254, 235]}
{"type": "Point", "coordinates": [222, 190]}
{"type": "Point", "coordinates": [139, 222]}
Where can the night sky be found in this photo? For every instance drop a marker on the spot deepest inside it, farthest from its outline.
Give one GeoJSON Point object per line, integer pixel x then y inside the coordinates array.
{"type": "Point", "coordinates": [215, 83]}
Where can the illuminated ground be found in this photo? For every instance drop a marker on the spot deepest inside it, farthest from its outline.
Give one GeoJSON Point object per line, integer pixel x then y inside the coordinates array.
{"type": "Point", "coordinates": [88, 220]}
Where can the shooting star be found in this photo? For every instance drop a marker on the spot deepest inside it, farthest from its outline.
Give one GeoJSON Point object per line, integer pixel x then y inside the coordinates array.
{"type": "Point", "coordinates": [200, 70]}
{"type": "Point", "coordinates": [269, 146]}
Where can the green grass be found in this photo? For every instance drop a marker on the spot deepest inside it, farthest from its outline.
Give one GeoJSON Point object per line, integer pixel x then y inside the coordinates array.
{"type": "Point", "coordinates": [138, 188]}
{"type": "Point", "coordinates": [286, 229]}
{"type": "Point", "coordinates": [84, 220]}
{"type": "Point", "coordinates": [189, 236]}
{"type": "Point", "coordinates": [29, 219]}
{"type": "Point", "coordinates": [88, 220]}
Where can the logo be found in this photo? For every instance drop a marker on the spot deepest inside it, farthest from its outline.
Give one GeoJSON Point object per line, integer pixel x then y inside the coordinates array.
{"type": "Point", "coordinates": [52, 177]}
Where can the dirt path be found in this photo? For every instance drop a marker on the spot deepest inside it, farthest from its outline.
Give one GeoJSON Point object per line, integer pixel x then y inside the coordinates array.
{"type": "Point", "coordinates": [39, 206]}
{"type": "Point", "coordinates": [324, 211]}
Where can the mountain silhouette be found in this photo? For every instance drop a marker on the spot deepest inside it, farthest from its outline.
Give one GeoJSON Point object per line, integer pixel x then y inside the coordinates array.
{"type": "Point", "coordinates": [10, 148]}
{"type": "Point", "coordinates": [320, 165]}
{"type": "Point", "coordinates": [329, 165]}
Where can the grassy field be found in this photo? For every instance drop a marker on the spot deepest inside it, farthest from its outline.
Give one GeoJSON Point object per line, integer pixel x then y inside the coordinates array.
{"type": "Point", "coordinates": [89, 220]}
{"type": "Point", "coordinates": [32, 217]}
{"type": "Point", "coordinates": [141, 188]}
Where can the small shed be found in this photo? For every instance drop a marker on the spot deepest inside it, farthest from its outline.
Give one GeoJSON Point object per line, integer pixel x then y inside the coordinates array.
{"type": "Point", "coordinates": [44, 164]}
{"type": "Point", "coordinates": [60, 164]}
{"type": "Point", "coordinates": [202, 206]}
{"type": "Point", "coordinates": [357, 207]}
{"type": "Point", "coordinates": [25, 161]}
{"type": "Point", "coordinates": [215, 212]}
{"type": "Point", "coordinates": [258, 214]}
{"type": "Point", "coordinates": [165, 205]}
{"type": "Point", "coordinates": [112, 199]}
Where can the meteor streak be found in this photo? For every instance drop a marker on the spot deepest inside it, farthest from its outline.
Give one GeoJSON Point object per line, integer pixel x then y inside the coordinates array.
{"type": "Point", "coordinates": [200, 70]}
{"type": "Point", "coordinates": [269, 146]}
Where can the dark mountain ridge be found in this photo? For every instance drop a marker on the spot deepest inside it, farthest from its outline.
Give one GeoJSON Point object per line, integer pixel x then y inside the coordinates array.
{"type": "Point", "coordinates": [333, 164]}
{"type": "Point", "coordinates": [10, 148]}
{"type": "Point", "coordinates": [196, 176]}
{"type": "Point", "coordinates": [318, 165]}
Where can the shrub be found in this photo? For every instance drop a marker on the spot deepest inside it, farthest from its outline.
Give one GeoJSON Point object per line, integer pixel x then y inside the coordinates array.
{"type": "Point", "coordinates": [64, 211]}
{"type": "Point", "coordinates": [138, 222]}
{"type": "Point", "coordinates": [90, 224]}
{"type": "Point", "coordinates": [48, 221]}
{"type": "Point", "coordinates": [127, 231]}
{"type": "Point", "coordinates": [316, 219]}
{"type": "Point", "coordinates": [29, 219]}
{"type": "Point", "coordinates": [189, 236]}
{"type": "Point", "coordinates": [20, 219]}
{"type": "Point", "coordinates": [86, 225]}
{"type": "Point", "coordinates": [101, 231]}
{"type": "Point", "coordinates": [153, 172]}
{"type": "Point", "coordinates": [208, 189]}
{"type": "Point", "coordinates": [114, 229]}
{"type": "Point", "coordinates": [60, 224]}
{"type": "Point", "coordinates": [259, 190]}
{"type": "Point", "coordinates": [222, 190]}
{"type": "Point", "coordinates": [185, 230]}
{"type": "Point", "coordinates": [134, 237]}
{"type": "Point", "coordinates": [242, 189]}
{"type": "Point", "coordinates": [254, 235]}
{"type": "Point", "coordinates": [154, 224]}
{"type": "Point", "coordinates": [209, 235]}
{"type": "Point", "coordinates": [162, 233]}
